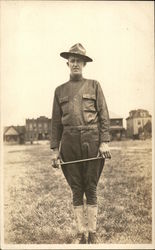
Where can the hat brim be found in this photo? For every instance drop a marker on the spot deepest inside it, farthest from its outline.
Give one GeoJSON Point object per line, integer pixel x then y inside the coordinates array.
{"type": "Point", "coordinates": [66, 55]}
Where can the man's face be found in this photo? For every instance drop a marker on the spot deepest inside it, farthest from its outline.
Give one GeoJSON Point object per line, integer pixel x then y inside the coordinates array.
{"type": "Point", "coordinates": [76, 65]}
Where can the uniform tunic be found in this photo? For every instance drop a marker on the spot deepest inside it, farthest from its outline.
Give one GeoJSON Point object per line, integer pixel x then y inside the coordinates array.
{"type": "Point", "coordinates": [80, 122]}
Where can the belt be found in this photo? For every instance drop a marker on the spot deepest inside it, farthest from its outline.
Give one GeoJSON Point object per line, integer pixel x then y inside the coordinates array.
{"type": "Point", "coordinates": [82, 127]}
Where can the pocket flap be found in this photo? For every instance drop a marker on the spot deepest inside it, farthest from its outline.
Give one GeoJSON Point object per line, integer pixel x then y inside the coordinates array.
{"type": "Point", "coordinates": [89, 96]}
{"type": "Point", "coordinates": [64, 99]}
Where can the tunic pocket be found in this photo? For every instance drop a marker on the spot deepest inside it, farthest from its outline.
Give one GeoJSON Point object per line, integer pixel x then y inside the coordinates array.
{"type": "Point", "coordinates": [64, 102]}
{"type": "Point", "coordinates": [89, 102]}
{"type": "Point", "coordinates": [89, 108]}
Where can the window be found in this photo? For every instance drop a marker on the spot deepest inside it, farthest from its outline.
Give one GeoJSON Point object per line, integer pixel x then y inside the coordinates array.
{"type": "Point", "coordinates": [117, 122]}
{"type": "Point", "coordinates": [139, 122]}
{"type": "Point", "coordinates": [143, 114]}
{"type": "Point", "coordinates": [40, 125]}
{"type": "Point", "coordinates": [45, 125]}
{"type": "Point", "coordinates": [30, 126]}
{"type": "Point", "coordinates": [34, 127]}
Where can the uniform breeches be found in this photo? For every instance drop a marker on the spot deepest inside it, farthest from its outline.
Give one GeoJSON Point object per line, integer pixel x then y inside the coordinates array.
{"type": "Point", "coordinates": [82, 177]}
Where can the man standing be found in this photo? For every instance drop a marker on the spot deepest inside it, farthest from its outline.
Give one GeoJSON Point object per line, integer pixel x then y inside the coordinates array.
{"type": "Point", "coordinates": [80, 130]}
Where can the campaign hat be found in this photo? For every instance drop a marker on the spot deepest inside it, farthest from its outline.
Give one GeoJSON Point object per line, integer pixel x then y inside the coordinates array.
{"type": "Point", "coordinates": [76, 50]}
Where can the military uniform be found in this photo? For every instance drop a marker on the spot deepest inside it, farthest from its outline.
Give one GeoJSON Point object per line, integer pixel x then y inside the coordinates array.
{"type": "Point", "coordinates": [80, 122]}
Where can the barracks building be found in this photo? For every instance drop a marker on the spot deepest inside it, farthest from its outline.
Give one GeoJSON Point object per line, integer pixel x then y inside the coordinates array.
{"type": "Point", "coordinates": [138, 123]}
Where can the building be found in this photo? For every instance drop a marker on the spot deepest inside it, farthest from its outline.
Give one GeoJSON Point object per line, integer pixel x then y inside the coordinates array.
{"type": "Point", "coordinates": [38, 129]}
{"type": "Point", "coordinates": [117, 132]}
{"type": "Point", "coordinates": [14, 134]}
{"type": "Point", "coordinates": [137, 123]}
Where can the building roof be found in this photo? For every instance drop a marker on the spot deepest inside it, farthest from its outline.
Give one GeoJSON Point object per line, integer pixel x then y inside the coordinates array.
{"type": "Point", "coordinates": [112, 115]}
{"type": "Point", "coordinates": [138, 113]}
{"type": "Point", "coordinates": [14, 130]}
{"type": "Point", "coordinates": [11, 131]}
{"type": "Point", "coordinates": [20, 129]}
{"type": "Point", "coordinates": [40, 118]}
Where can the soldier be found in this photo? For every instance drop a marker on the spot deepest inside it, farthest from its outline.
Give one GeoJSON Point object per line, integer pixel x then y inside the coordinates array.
{"type": "Point", "coordinates": [80, 129]}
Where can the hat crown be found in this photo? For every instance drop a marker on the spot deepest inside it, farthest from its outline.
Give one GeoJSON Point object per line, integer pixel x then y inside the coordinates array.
{"type": "Point", "coordinates": [78, 49]}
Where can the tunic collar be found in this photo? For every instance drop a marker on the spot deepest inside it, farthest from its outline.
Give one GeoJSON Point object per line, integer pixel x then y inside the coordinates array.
{"type": "Point", "coordinates": [76, 78]}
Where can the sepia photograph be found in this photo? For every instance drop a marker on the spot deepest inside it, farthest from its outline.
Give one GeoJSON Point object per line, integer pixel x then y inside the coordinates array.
{"type": "Point", "coordinates": [77, 124]}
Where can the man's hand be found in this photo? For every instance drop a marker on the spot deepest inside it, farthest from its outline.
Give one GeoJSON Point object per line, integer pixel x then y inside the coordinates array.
{"type": "Point", "coordinates": [104, 150]}
{"type": "Point", "coordinates": [55, 158]}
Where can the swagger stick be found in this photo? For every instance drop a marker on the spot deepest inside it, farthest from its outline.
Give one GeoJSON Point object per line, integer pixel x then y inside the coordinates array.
{"type": "Point", "coordinates": [83, 160]}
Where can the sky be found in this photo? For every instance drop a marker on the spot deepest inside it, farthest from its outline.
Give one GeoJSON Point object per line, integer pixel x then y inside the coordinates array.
{"type": "Point", "coordinates": [118, 35]}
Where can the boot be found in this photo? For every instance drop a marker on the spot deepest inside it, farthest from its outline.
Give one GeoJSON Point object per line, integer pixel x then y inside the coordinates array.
{"type": "Point", "coordinates": [80, 237]}
{"type": "Point", "coordinates": [92, 238]}
{"type": "Point", "coordinates": [92, 221]}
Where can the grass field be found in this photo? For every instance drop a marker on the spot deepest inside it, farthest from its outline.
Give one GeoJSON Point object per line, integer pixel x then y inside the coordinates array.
{"type": "Point", "coordinates": [37, 199]}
